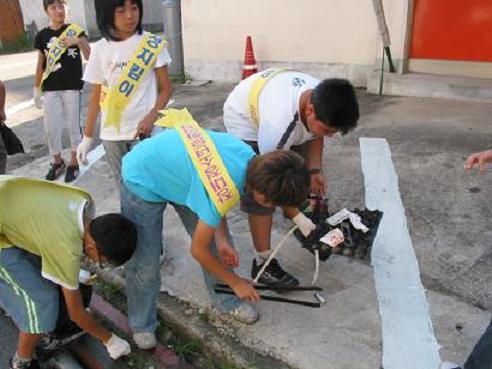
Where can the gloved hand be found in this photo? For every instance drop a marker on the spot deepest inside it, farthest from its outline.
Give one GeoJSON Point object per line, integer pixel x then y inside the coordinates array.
{"type": "Point", "coordinates": [306, 226]}
{"type": "Point", "coordinates": [117, 347]}
{"type": "Point", "coordinates": [83, 149]}
{"type": "Point", "coordinates": [37, 93]}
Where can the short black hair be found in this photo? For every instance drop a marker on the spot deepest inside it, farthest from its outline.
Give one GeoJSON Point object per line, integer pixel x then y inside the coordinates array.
{"type": "Point", "coordinates": [115, 237]}
{"type": "Point", "coordinates": [335, 104]}
{"type": "Point", "coordinates": [47, 3]}
{"type": "Point", "coordinates": [105, 16]}
{"type": "Point", "coordinates": [281, 176]}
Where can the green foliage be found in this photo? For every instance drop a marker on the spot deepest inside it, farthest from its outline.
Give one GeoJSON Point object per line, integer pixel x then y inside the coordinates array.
{"type": "Point", "coordinates": [23, 43]}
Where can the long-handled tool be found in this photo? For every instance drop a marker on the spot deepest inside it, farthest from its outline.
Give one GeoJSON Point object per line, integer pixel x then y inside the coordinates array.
{"type": "Point", "coordinates": [225, 289]}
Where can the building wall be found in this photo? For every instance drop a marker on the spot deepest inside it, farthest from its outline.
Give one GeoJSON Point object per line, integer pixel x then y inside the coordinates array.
{"type": "Point", "coordinates": [324, 37]}
{"type": "Point", "coordinates": [11, 21]}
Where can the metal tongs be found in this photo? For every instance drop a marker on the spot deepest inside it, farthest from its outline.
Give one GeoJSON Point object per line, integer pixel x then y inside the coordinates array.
{"type": "Point", "coordinates": [225, 289]}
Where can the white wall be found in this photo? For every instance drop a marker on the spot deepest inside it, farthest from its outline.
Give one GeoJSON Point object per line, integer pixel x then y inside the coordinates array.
{"type": "Point", "coordinates": [324, 37]}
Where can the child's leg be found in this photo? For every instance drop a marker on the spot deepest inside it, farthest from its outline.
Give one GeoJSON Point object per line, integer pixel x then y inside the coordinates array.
{"type": "Point", "coordinates": [26, 344]}
{"type": "Point", "coordinates": [31, 300]}
{"type": "Point", "coordinates": [224, 303]}
{"type": "Point", "coordinates": [71, 104]}
{"type": "Point", "coordinates": [53, 127]}
{"type": "Point", "coordinates": [115, 150]}
{"type": "Point", "coordinates": [142, 271]}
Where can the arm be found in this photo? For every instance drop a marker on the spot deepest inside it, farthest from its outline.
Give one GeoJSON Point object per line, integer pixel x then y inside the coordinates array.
{"type": "Point", "coordinates": [81, 42]}
{"type": "Point", "coordinates": [165, 91]}
{"type": "Point", "coordinates": [116, 346]}
{"type": "Point", "coordinates": [314, 154]}
{"type": "Point", "coordinates": [93, 110]}
{"type": "Point", "coordinates": [226, 251]}
{"type": "Point", "coordinates": [314, 161]}
{"type": "Point", "coordinates": [82, 318]}
{"type": "Point", "coordinates": [39, 70]}
{"type": "Point", "coordinates": [200, 250]}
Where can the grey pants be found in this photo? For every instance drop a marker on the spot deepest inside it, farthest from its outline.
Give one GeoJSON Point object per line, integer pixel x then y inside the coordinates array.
{"type": "Point", "coordinates": [62, 108]}
{"type": "Point", "coordinates": [3, 157]}
{"type": "Point", "coordinates": [115, 150]}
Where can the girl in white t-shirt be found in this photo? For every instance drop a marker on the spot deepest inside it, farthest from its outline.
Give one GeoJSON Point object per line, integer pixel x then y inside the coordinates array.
{"type": "Point", "coordinates": [120, 22]}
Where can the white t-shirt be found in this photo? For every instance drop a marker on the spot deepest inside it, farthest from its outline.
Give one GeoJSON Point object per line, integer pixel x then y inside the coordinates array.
{"type": "Point", "coordinates": [278, 106]}
{"type": "Point", "coordinates": [107, 61]}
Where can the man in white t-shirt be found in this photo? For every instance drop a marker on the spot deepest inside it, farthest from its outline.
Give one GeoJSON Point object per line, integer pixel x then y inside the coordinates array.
{"type": "Point", "coordinates": [289, 110]}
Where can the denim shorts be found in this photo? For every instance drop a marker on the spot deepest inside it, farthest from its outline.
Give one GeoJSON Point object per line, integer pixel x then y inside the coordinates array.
{"type": "Point", "coordinates": [31, 300]}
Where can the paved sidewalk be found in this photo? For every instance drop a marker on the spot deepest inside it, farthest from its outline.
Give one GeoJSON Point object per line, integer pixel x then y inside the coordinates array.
{"type": "Point", "coordinates": [447, 212]}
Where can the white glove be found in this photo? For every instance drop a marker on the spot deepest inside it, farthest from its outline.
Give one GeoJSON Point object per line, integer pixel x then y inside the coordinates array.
{"type": "Point", "coordinates": [306, 226]}
{"type": "Point", "coordinates": [37, 94]}
{"type": "Point", "coordinates": [117, 347]}
{"type": "Point", "coordinates": [83, 149]}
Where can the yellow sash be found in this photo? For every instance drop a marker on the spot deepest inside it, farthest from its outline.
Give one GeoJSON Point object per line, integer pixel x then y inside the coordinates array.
{"type": "Point", "coordinates": [142, 61]}
{"type": "Point", "coordinates": [205, 157]}
{"type": "Point", "coordinates": [57, 50]}
{"type": "Point", "coordinates": [254, 93]}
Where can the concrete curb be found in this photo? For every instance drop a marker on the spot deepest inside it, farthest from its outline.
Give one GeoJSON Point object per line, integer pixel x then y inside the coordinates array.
{"type": "Point", "coordinates": [103, 308]}
{"type": "Point", "coordinates": [222, 347]}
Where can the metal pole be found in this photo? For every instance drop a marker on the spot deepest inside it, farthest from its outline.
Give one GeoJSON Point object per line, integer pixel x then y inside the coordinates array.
{"type": "Point", "coordinates": [171, 18]}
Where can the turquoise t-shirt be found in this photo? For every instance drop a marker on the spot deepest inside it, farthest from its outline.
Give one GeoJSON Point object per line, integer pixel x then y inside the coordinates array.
{"type": "Point", "coordinates": [160, 169]}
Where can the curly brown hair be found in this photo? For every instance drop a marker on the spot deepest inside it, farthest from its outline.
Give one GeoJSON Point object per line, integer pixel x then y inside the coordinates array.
{"type": "Point", "coordinates": [281, 176]}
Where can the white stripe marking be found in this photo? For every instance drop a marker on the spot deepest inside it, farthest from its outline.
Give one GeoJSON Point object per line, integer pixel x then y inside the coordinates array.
{"type": "Point", "coordinates": [17, 64]}
{"type": "Point", "coordinates": [18, 107]}
{"type": "Point", "coordinates": [408, 336]}
{"type": "Point", "coordinates": [92, 158]}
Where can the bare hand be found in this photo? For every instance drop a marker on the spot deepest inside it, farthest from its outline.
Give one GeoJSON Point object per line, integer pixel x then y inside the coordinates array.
{"type": "Point", "coordinates": [318, 184]}
{"type": "Point", "coordinates": [3, 116]}
{"type": "Point", "coordinates": [245, 290]}
{"type": "Point", "coordinates": [480, 158]}
{"type": "Point", "coordinates": [228, 256]}
{"type": "Point", "coordinates": [70, 41]}
{"type": "Point", "coordinates": [145, 126]}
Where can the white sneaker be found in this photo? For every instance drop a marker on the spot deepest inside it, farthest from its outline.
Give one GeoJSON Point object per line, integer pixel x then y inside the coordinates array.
{"type": "Point", "coordinates": [245, 313]}
{"type": "Point", "coordinates": [449, 365]}
{"type": "Point", "coordinates": [145, 340]}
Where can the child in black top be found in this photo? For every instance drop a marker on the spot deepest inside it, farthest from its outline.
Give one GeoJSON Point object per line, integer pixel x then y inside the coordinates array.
{"type": "Point", "coordinates": [59, 80]}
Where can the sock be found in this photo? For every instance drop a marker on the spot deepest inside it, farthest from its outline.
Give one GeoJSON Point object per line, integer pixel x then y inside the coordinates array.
{"type": "Point", "coordinates": [18, 362]}
{"type": "Point", "coordinates": [261, 257]}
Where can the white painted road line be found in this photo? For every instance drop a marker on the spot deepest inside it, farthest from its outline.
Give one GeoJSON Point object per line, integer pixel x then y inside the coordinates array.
{"type": "Point", "coordinates": [408, 337]}
{"type": "Point", "coordinates": [92, 158]}
{"type": "Point", "coordinates": [18, 107]}
{"type": "Point", "coordinates": [17, 64]}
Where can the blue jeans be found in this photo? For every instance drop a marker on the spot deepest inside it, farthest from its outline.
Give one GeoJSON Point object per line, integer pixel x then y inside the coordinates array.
{"type": "Point", "coordinates": [481, 356]}
{"type": "Point", "coordinates": [143, 280]}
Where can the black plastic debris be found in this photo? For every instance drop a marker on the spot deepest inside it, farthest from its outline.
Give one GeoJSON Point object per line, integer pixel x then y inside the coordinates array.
{"type": "Point", "coordinates": [356, 243]}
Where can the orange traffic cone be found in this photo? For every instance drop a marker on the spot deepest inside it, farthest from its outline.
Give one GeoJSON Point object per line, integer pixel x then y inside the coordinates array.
{"type": "Point", "coordinates": [249, 67]}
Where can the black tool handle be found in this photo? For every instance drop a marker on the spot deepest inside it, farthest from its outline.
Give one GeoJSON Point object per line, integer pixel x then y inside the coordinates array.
{"type": "Point", "coordinates": [273, 287]}
{"type": "Point", "coordinates": [272, 298]}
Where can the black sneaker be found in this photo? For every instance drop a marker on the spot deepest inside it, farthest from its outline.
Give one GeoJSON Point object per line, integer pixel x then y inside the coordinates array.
{"type": "Point", "coordinates": [273, 274]}
{"type": "Point", "coordinates": [56, 170]}
{"type": "Point", "coordinates": [72, 173]}
{"type": "Point", "coordinates": [33, 364]}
